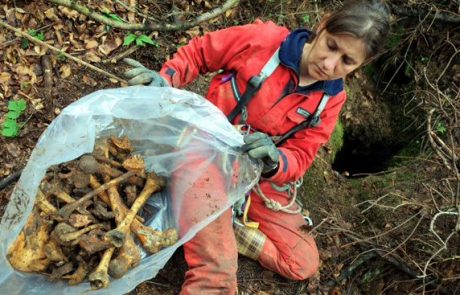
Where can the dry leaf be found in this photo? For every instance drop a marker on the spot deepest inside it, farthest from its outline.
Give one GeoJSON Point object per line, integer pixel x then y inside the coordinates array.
{"type": "Point", "coordinates": [65, 71]}
{"type": "Point", "coordinates": [92, 56]}
{"type": "Point", "coordinates": [89, 81]}
{"type": "Point", "coordinates": [57, 31]}
{"type": "Point", "coordinates": [37, 104]}
{"type": "Point", "coordinates": [70, 13]}
{"type": "Point", "coordinates": [51, 15]}
{"type": "Point", "coordinates": [91, 44]}
{"type": "Point", "coordinates": [110, 45]}
{"type": "Point", "coordinates": [5, 77]}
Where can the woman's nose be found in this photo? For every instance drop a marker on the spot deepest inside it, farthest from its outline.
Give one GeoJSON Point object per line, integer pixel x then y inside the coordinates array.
{"type": "Point", "coordinates": [331, 61]}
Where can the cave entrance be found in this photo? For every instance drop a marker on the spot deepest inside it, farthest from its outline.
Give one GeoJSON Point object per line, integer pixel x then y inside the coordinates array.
{"type": "Point", "coordinates": [359, 159]}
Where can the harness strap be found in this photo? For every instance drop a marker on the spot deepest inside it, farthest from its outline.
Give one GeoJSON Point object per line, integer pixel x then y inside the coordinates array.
{"type": "Point", "coordinates": [253, 86]}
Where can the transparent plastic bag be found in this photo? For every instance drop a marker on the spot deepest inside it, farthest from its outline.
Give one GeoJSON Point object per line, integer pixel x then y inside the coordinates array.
{"type": "Point", "coordinates": [169, 128]}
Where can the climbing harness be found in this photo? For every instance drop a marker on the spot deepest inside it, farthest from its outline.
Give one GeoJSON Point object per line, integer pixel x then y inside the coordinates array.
{"type": "Point", "coordinates": [253, 86]}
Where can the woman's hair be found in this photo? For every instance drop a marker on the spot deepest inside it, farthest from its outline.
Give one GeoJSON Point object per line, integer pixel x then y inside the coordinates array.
{"type": "Point", "coordinates": [368, 20]}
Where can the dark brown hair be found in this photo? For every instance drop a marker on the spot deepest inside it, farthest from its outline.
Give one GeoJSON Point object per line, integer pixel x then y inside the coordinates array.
{"type": "Point", "coordinates": [367, 20]}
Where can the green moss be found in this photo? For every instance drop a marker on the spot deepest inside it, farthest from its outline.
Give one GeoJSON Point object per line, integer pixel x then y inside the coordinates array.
{"type": "Point", "coordinates": [336, 140]}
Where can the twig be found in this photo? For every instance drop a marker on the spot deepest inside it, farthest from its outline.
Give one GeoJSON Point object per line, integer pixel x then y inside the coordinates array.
{"type": "Point", "coordinates": [10, 179]}
{"type": "Point", "coordinates": [433, 221]}
{"type": "Point", "coordinates": [125, 53]}
{"type": "Point", "coordinates": [433, 143]}
{"type": "Point", "coordinates": [383, 233]}
{"type": "Point", "coordinates": [77, 60]}
{"type": "Point", "coordinates": [229, 4]}
{"type": "Point", "coordinates": [47, 75]}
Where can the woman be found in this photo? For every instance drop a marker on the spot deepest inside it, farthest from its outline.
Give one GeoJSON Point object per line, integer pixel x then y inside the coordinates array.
{"type": "Point", "coordinates": [288, 87]}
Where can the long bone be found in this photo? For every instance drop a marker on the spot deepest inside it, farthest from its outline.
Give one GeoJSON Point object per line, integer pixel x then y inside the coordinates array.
{"type": "Point", "coordinates": [129, 255]}
{"type": "Point", "coordinates": [54, 189]}
{"type": "Point", "coordinates": [150, 239]}
{"type": "Point", "coordinates": [99, 278]}
{"type": "Point", "coordinates": [69, 208]}
{"type": "Point", "coordinates": [153, 184]}
{"type": "Point", "coordinates": [46, 207]}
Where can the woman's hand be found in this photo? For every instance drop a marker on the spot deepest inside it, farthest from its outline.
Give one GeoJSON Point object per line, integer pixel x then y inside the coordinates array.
{"type": "Point", "coordinates": [260, 146]}
{"type": "Point", "coordinates": [140, 75]}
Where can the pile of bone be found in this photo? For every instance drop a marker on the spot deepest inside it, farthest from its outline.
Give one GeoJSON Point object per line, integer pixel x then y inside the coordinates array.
{"type": "Point", "coordinates": [85, 218]}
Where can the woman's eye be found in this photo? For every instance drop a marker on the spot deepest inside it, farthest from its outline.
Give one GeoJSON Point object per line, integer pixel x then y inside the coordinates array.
{"type": "Point", "coordinates": [331, 46]}
{"type": "Point", "coordinates": [347, 61]}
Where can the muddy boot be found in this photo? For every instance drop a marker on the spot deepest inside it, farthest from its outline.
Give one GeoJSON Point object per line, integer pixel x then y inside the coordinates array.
{"type": "Point", "coordinates": [250, 242]}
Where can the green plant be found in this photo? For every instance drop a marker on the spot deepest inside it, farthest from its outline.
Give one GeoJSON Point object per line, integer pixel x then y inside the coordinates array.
{"type": "Point", "coordinates": [37, 34]}
{"type": "Point", "coordinates": [11, 126]}
{"type": "Point", "coordinates": [34, 33]}
{"type": "Point", "coordinates": [61, 56]}
{"type": "Point", "coordinates": [441, 128]}
{"type": "Point", "coordinates": [140, 40]}
{"type": "Point", "coordinates": [306, 19]}
{"type": "Point", "coordinates": [112, 16]}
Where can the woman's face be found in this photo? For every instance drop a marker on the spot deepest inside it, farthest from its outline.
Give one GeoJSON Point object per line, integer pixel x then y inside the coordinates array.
{"type": "Point", "coordinates": [332, 56]}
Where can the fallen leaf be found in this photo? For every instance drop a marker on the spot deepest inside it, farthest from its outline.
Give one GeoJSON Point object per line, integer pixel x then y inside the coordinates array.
{"type": "Point", "coordinates": [13, 150]}
{"type": "Point", "coordinates": [65, 71]}
{"type": "Point", "coordinates": [37, 104]}
{"type": "Point", "coordinates": [89, 81]}
{"type": "Point", "coordinates": [5, 77]}
{"type": "Point", "coordinates": [110, 45]}
{"type": "Point", "coordinates": [50, 14]}
{"type": "Point", "coordinates": [92, 56]}
{"type": "Point", "coordinates": [91, 44]}
{"type": "Point", "coordinates": [70, 13]}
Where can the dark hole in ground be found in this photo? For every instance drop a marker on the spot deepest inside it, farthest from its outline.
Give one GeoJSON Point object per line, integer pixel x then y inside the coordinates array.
{"type": "Point", "coordinates": [361, 158]}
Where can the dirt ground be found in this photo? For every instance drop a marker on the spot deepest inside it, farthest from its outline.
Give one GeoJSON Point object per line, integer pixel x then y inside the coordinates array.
{"type": "Point", "coordinates": [378, 231]}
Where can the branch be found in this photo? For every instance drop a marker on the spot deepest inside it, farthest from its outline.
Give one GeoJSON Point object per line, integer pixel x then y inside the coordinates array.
{"type": "Point", "coordinates": [77, 60]}
{"type": "Point", "coordinates": [147, 26]}
{"type": "Point", "coordinates": [10, 179]}
{"type": "Point", "coordinates": [448, 17]}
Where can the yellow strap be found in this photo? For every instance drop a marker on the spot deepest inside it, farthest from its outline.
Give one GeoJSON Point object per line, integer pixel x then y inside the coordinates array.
{"type": "Point", "coordinates": [246, 222]}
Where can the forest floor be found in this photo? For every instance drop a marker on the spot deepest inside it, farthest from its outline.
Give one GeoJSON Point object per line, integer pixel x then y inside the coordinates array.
{"type": "Point", "coordinates": [386, 208]}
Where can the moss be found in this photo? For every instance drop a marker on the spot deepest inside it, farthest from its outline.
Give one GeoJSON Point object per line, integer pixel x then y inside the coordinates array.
{"type": "Point", "coordinates": [336, 140]}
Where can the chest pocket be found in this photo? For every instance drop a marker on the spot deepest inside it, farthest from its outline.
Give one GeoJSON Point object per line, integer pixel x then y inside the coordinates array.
{"type": "Point", "coordinates": [298, 116]}
{"type": "Point", "coordinates": [301, 114]}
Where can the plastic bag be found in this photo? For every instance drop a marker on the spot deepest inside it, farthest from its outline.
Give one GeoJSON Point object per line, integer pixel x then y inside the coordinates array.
{"type": "Point", "coordinates": [169, 128]}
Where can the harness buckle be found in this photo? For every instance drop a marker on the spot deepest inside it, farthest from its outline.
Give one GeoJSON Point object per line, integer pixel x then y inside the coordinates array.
{"type": "Point", "coordinates": [256, 81]}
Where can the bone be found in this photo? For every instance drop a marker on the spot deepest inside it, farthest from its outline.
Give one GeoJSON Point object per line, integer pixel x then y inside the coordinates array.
{"type": "Point", "coordinates": [153, 184]}
{"type": "Point", "coordinates": [93, 242]}
{"type": "Point", "coordinates": [79, 275]}
{"type": "Point", "coordinates": [54, 252]}
{"type": "Point", "coordinates": [81, 220]}
{"type": "Point", "coordinates": [122, 144]}
{"type": "Point", "coordinates": [60, 271]}
{"type": "Point", "coordinates": [100, 278]}
{"type": "Point", "coordinates": [54, 189]}
{"type": "Point", "coordinates": [119, 205]}
{"type": "Point", "coordinates": [69, 208]}
{"type": "Point", "coordinates": [131, 194]}
{"type": "Point", "coordinates": [100, 211]}
{"type": "Point", "coordinates": [73, 235]}
{"type": "Point", "coordinates": [128, 257]}
{"type": "Point", "coordinates": [90, 165]}
{"type": "Point", "coordinates": [27, 253]}
{"type": "Point", "coordinates": [46, 207]}
{"type": "Point", "coordinates": [150, 239]}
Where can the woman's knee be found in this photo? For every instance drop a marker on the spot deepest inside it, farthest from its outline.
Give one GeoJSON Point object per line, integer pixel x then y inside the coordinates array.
{"type": "Point", "coordinates": [303, 262]}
